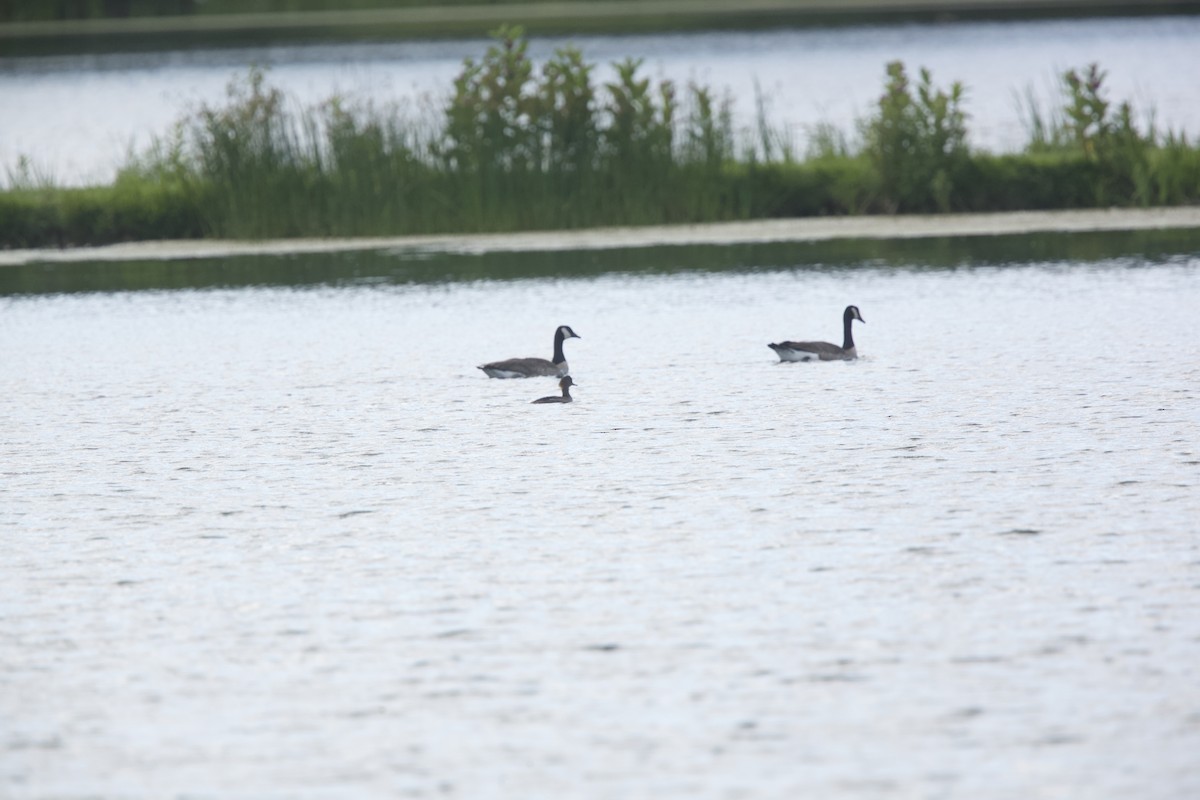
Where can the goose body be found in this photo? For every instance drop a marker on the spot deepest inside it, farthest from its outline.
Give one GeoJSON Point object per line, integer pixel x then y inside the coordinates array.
{"type": "Point", "coordinates": [823, 351]}
{"type": "Point", "coordinates": [566, 383]}
{"type": "Point", "coordinates": [535, 367]}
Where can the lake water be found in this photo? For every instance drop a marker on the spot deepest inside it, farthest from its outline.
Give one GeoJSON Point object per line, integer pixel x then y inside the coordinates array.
{"type": "Point", "coordinates": [77, 117]}
{"type": "Point", "coordinates": [287, 542]}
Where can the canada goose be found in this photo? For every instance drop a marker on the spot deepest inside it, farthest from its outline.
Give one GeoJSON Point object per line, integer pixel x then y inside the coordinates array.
{"type": "Point", "coordinates": [823, 351]}
{"type": "Point", "coordinates": [566, 384]}
{"type": "Point", "coordinates": [533, 367]}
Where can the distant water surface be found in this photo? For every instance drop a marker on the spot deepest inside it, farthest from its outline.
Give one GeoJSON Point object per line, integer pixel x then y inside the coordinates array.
{"type": "Point", "coordinates": [284, 542]}
{"type": "Point", "coordinates": [77, 117]}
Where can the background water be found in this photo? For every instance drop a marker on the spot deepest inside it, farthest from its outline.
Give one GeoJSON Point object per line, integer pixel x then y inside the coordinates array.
{"type": "Point", "coordinates": [287, 542]}
{"type": "Point", "coordinates": [77, 117]}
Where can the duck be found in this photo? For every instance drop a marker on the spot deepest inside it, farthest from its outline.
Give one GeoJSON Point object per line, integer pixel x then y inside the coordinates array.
{"type": "Point", "coordinates": [535, 367]}
{"type": "Point", "coordinates": [823, 351]}
{"type": "Point", "coordinates": [565, 384]}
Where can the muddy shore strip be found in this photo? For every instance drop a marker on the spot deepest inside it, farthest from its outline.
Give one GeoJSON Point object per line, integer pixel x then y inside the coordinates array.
{"type": "Point", "coordinates": [806, 229]}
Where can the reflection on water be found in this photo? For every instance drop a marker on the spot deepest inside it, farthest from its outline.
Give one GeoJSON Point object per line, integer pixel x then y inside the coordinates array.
{"type": "Point", "coordinates": [272, 542]}
{"type": "Point", "coordinates": [414, 266]}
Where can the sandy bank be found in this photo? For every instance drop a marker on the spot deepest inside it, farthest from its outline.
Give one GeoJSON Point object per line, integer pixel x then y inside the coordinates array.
{"type": "Point", "coordinates": [809, 229]}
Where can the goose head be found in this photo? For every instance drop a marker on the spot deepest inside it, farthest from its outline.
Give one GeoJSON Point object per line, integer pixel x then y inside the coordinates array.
{"type": "Point", "coordinates": [853, 313]}
{"type": "Point", "coordinates": [565, 332]}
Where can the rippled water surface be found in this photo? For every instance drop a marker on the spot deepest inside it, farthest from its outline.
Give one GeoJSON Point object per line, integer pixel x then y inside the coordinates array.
{"type": "Point", "coordinates": [288, 542]}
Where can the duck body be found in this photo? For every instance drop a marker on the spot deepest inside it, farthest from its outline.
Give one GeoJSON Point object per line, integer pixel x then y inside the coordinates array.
{"type": "Point", "coordinates": [535, 367]}
{"type": "Point", "coordinates": [565, 384]}
{"type": "Point", "coordinates": [823, 351]}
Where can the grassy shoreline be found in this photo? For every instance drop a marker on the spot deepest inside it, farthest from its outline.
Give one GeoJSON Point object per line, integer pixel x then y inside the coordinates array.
{"type": "Point", "coordinates": [520, 147]}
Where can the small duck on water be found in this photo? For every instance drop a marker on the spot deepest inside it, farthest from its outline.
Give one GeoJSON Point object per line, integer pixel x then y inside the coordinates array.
{"type": "Point", "coordinates": [566, 384]}
{"type": "Point", "coordinates": [534, 367]}
{"type": "Point", "coordinates": [823, 351]}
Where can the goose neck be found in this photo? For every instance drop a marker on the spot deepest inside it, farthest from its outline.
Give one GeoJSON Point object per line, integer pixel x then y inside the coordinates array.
{"type": "Point", "coordinates": [558, 353]}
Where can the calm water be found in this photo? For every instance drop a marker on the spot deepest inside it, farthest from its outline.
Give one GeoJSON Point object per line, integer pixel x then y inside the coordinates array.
{"type": "Point", "coordinates": [77, 117]}
{"type": "Point", "coordinates": [287, 542]}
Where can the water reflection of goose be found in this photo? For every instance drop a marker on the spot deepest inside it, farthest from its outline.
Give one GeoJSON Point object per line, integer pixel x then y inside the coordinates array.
{"type": "Point", "coordinates": [535, 367]}
{"type": "Point", "coordinates": [823, 351]}
{"type": "Point", "coordinates": [566, 384]}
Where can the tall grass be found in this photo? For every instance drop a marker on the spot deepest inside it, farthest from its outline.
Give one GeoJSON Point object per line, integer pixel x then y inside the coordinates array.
{"type": "Point", "coordinates": [516, 146]}
{"type": "Point", "coordinates": [1119, 162]}
{"type": "Point", "coordinates": [917, 143]}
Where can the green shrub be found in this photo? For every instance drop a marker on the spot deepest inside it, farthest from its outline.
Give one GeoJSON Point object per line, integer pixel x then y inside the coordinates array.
{"type": "Point", "coordinates": [1174, 169]}
{"type": "Point", "coordinates": [1086, 126]}
{"type": "Point", "coordinates": [518, 147]}
{"type": "Point", "coordinates": [1015, 182]}
{"type": "Point", "coordinates": [918, 144]}
{"type": "Point", "coordinates": [97, 215]}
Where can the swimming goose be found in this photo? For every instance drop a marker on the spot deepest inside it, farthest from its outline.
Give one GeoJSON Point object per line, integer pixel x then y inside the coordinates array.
{"type": "Point", "coordinates": [533, 367]}
{"type": "Point", "coordinates": [566, 384]}
{"type": "Point", "coordinates": [823, 351]}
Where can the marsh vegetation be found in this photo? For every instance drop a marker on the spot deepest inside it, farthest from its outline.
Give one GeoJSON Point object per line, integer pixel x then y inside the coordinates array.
{"type": "Point", "coordinates": [518, 146]}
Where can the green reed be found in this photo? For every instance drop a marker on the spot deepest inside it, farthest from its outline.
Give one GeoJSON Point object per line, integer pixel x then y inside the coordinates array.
{"type": "Point", "coordinates": [514, 148]}
{"type": "Point", "coordinates": [518, 147]}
